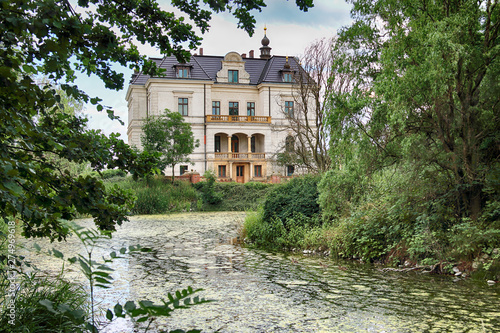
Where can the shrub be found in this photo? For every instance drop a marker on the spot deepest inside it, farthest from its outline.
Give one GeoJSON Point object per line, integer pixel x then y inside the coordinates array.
{"type": "Point", "coordinates": [159, 196]}
{"type": "Point", "coordinates": [262, 233]}
{"type": "Point", "coordinates": [208, 193]}
{"type": "Point", "coordinates": [300, 195]}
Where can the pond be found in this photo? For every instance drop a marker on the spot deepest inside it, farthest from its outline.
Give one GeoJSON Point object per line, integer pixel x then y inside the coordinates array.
{"type": "Point", "coordinates": [258, 291]}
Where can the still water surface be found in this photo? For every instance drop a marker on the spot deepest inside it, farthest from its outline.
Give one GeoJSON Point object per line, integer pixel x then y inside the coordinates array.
{"type": "Point", "coordinates": [258, 291]}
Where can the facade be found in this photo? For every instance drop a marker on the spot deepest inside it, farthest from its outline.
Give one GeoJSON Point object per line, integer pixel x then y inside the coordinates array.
{"type": "Point", "coordinates": [236, 106]}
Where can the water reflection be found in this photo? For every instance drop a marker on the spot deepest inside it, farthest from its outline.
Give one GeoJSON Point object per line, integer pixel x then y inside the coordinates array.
{"type": "Point", "coordinates": [257, 291]}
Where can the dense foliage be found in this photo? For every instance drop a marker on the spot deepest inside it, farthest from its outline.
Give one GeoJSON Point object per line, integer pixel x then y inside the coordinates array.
{"type": "Point", "coordinates": [415, 142]}
{"type": "Point", "coordinates": [157, 195]}
{"type": "Point", "coordinates": [298, 196]}
{"type": "Point", "coordinates": [232, 196]}
{"type": "Point", "coordinates": [426, 98]}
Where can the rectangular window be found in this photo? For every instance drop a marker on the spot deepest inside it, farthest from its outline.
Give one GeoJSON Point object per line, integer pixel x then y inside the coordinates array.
{"type": "Point", "coordinates": [217, 144]}
{"type": "Point", "coordinates": [250, 109]}
{"type": "Point", "coordinates": [252, 144]}
{"type": "Point", "coordinates": [182, 72]}
{"type": "Point", "coordinates": [216, 108]}
{"type": "Point", "coordinates": [232, 76]}
{"type": "Point", "coordinates": [222, 171]}
{"type": "Point", "coordinates": [287, 77]}
{"type": "Point", "coordinates": [233, 108]}
{"type": "Point", "coordinates": [183, 169]}
{"type": "Point", "coordinates": [257, 170]}
{"type": "Point", "coordinates": [289, 108]}
{"type": "Point", "coordinates": [183, 106]}
{"type": "Point", "coordinates": [290, 169]}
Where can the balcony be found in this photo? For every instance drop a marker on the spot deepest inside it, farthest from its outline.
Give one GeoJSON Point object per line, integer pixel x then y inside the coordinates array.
{"type": "Point", "coordinates": [240, 156]}
{"type": "Point", "coordinates": [237, 119]}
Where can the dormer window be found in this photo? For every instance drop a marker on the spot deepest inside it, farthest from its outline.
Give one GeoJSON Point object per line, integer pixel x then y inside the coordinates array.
{"type": "Point", "coordinates": [182, 72]}
{"type": "Point", "coordinates": [232, 76]}
{"type": "Point", "coordinates": [287, 77]}
{"type": "Point", "coordinates": [287, 72]}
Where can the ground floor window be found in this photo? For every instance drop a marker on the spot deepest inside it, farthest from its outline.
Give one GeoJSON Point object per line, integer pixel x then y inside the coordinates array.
{"type": "Point", "coordinates": [290, 169]}
{"type": "Point", "coordinates": [257, 170]}
{"type": "Point", "coordinates": [222, 171]}
{"type": "Point", "coordinates": [183, 169]}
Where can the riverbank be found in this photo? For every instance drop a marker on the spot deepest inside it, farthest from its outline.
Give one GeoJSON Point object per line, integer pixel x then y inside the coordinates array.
{"type": "Point", "coordinates": [159, 195]}
{"type": "Point", "coordinates": [292, 218]}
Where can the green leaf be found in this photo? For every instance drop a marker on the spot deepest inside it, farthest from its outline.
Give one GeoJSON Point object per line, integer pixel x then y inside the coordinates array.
{"type": "Point", "coordinates": [130, 306]}
{"type": "Point", "coordinates": [48, 304]}
{"type": "Point", "coordinates": [72, 260]}
{"type": "Point", "coordinates": [118, 310]}
{"type": "Point", "coordinates": [57, 253]}
{"type": "Point", "coordinates": [104, 286]}
{"type": "Point", "coordinates": [85, 267]}
{"type": "Point", "coordinates": [145, 304]}
{"type": "Point", "coordinates": [109, 315]}
{"type": "Point", "coordinates": [102, 280]}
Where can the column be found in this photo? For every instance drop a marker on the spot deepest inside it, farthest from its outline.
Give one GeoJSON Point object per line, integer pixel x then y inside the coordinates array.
{"type": "Point", "coordinates": [249, 137]}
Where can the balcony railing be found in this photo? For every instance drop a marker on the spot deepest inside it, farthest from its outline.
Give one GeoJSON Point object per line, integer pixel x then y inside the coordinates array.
{"type": "Point", "coordinates": [240, 156]}
{"type": "Point", "coordinates": [238, 119]}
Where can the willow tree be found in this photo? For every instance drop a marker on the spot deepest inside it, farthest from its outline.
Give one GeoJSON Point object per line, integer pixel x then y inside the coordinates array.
{"type": "Point", "coordinates": [428, 93]}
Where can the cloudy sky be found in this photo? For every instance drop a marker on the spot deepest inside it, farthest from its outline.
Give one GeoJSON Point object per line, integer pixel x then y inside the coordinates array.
{"type": "Point", "coordinates": [289, 30]}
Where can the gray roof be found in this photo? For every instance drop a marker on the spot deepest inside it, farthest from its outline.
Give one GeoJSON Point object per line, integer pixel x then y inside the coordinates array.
{"type": "Point", "coordinates": [206, 68]}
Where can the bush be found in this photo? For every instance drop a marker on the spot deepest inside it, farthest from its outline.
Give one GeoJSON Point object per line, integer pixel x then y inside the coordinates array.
{"type": "Point", "coordinates": [232, 196]}
{"type": "Point", "coordinates": [159, 196]}
{"type": "Point", "coordinates": [110, 173]}
{"type": "Point", "coordinates": [298, 196]}
{"type": "Point", "coordinates": [208, 193]}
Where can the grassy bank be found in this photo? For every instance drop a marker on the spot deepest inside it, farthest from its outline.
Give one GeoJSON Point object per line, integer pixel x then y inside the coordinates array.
{"type": "Point", "coordinates": [159, 196]}
{"type": "Point", "coordinates": [310, 213]}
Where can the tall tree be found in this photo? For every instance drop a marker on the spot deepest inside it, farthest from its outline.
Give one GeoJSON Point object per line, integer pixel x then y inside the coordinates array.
{"type": "Point", "coordinates": [428, 91]}
{"type": "Point", "coordinates": [50, 38]}
{"type": "Point", "coordinates": [168, 135]}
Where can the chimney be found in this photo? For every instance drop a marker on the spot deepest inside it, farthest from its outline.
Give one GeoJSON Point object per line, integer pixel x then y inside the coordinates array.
{"type": "Point", "coordinates": [250, 54]}
{"type": "Point", "coordinates": [201, 51]}
{"type": "Point", "coordinates": [243, 55]}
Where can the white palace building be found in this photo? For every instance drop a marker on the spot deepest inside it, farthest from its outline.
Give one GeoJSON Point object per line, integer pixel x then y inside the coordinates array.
{"type": "Point", "coordinates": [236, 105]}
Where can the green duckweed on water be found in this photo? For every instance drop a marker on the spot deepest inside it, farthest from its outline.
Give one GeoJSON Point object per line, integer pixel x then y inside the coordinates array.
{"type": "Point", "coordinates": [257, 291]}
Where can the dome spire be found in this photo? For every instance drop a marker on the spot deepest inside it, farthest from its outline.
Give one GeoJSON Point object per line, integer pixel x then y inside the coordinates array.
{"type": "Point", "coordinates": [265, 50]}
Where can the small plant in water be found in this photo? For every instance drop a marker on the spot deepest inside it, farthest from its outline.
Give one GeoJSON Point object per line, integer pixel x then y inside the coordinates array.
{"type": "Point", "coordinates": [98, 274]}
